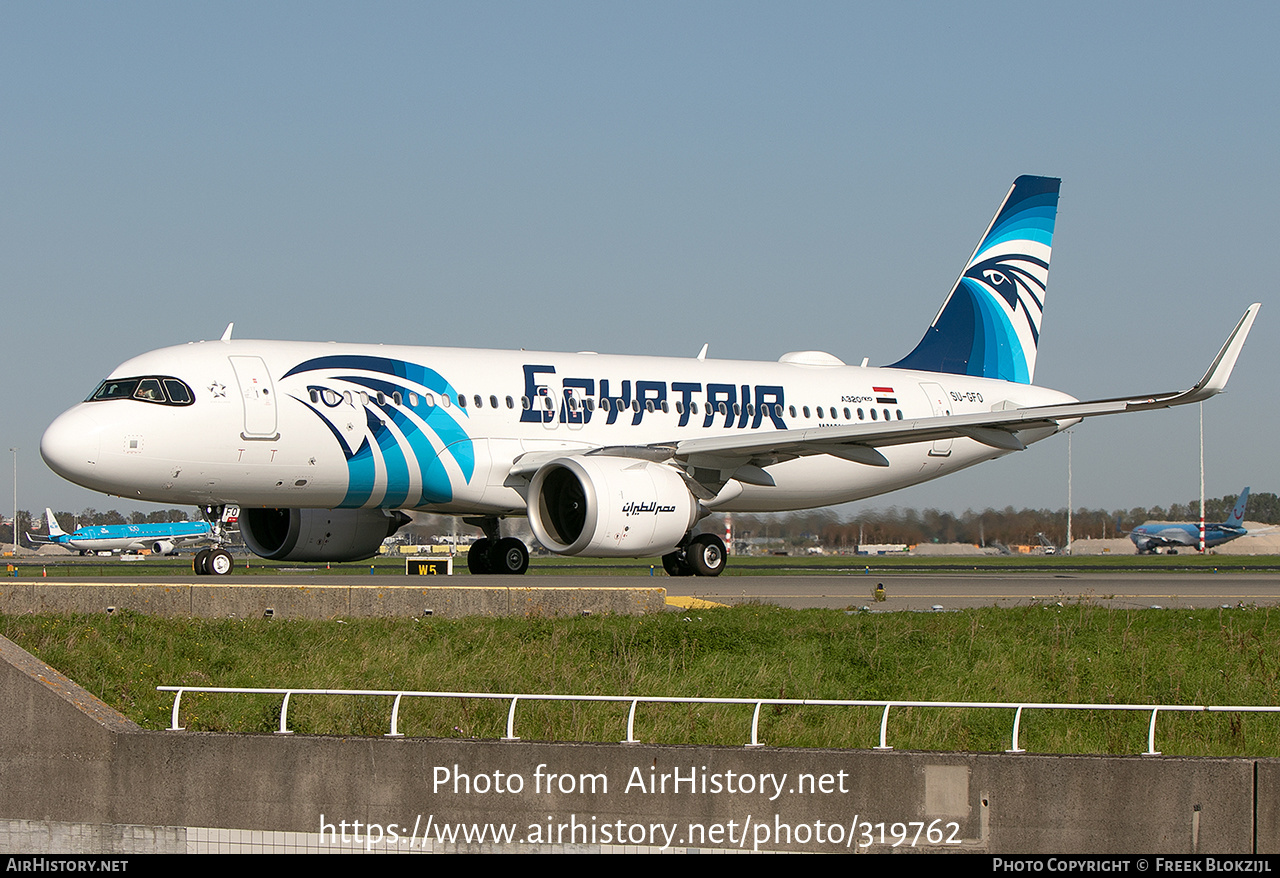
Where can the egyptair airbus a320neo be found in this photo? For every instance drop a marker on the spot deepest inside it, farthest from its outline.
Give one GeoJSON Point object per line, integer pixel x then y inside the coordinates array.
{"type": "Point", "coordinates": [323, 445]}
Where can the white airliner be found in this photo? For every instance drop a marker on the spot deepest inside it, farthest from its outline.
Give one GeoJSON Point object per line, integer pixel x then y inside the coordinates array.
{"type": "Point", "coordinates": [322, 444]}
{"type": "Point", "coordinates": [162, 539]}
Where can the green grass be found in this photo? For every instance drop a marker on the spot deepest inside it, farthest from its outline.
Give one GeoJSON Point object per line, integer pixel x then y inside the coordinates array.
{"type": "Point", "coordinates": [1078, 653]}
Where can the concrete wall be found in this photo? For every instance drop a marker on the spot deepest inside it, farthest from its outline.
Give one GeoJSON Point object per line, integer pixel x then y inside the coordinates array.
{"type": "Point", "coordinates": [77, 777]}
{"type": "Point", "coordinates": [221, 600]}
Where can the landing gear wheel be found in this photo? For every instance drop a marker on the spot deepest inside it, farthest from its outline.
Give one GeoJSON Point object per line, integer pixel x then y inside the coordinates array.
{"type": "Point", "coordinates": [509, 556]}
{"type": "Point", "coordinates": [706, 555]}
{"type": "Point", "coordinates": [200, 563]}
{"type": "Point", "coordinates": [478, 557]}
{"type": "Point", "coordinates": [220, 562]}
{"type": "Point", "coordinates": [676, 564]}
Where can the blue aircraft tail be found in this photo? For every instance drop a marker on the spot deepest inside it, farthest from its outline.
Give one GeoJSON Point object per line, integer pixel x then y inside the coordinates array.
{"type": "Point", "coordinates": [989, 326]}
{"type": "Point", "coordinates": [1237, 512]}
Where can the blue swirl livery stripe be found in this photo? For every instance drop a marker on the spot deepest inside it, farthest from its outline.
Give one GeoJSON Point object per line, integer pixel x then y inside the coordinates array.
{"type": "Point", "coordinates": [362, 463]}
{"type": "Point", "coordinates": [436, 487]}
{"type": "Point", "coordinates": [989, 327]}
{"type": "Point", "coordinates": [361, 468]}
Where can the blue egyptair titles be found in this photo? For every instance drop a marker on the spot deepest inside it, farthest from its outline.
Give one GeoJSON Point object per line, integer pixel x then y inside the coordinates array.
{"type": "Point", "coordinates": [739, 405]}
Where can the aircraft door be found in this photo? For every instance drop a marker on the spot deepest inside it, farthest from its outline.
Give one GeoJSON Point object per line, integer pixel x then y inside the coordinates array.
{"type": "Point", "coordinates": [572, 408]}
{"type": "Point", "coordinates": [258, 396]}
{"type": "Point", "coordinates": [548, 403]}
{"type": "Point", "coordinates": [941, 407]}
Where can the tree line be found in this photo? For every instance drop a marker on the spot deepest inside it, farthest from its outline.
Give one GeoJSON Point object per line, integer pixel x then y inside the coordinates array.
{"type": "Point", "coordinates": [1007, 526]}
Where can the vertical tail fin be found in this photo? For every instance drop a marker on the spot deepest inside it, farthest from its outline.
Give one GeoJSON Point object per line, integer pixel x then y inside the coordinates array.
{"type": "Point", "coordinates": [54, 530]}
{"type": "Point", "coordinates": [989, 326]}
{"type": "Point", "coordinates": [1237, 512]}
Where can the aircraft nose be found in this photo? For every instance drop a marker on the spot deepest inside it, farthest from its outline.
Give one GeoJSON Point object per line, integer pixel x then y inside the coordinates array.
{"type": "Point", "coordinates": [70, 446]}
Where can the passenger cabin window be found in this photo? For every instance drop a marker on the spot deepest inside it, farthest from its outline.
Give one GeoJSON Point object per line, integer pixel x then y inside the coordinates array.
{"type": "Point", "coordinates": [157, 389]}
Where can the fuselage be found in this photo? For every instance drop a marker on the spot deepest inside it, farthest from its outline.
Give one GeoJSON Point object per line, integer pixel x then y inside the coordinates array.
{"type": "Point", "coordinates": [322, 425]}
{"type": "Point", "coordinates": [1164, 534]}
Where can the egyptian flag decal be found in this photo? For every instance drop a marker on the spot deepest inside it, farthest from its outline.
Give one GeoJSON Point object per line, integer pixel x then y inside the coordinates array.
{"type": "Point", "coordinates": [884, 395]}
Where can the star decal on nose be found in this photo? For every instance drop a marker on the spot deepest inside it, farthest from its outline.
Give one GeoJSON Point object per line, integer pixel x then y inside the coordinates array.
{"type": "Point", "coordinates": [218, 389]}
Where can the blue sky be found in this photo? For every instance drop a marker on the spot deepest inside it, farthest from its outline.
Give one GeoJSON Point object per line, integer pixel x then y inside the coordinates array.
{"type": "Point", "coordinates": [644, 178]}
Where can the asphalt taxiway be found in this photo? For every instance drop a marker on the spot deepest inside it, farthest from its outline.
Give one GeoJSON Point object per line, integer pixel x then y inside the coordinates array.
{"type": "Point", "coordinates": [915, 591]}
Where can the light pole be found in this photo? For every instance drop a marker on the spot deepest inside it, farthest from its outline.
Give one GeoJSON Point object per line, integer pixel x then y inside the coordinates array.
{"type": "Point", "coordinates": [1068, 551]}
{"type": "Point", "coordinates": [15, 501]}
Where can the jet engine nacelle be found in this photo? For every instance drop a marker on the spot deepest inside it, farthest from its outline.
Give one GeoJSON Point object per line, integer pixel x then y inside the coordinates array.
{"type": "Point", "coordinates": [318, 534]}
{"type": "Point", "coordinates": [162, 547]}
{"type": "Point", "coordinates": [605, 507]}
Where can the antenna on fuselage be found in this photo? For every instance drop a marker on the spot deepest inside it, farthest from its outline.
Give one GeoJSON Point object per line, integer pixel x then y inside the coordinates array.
{"type": "Point", "coordinates": [226, 336]}
{"type": "Point", "coordinates": [702, 354]}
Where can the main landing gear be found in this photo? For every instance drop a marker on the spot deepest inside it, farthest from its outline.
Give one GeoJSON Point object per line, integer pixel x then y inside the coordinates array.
{"type": "Point", "coordinates": [213, 562]}
{"type": "Point", "coordinates": [495, 554]}
{"type": "Point", "coordinates": [703, 555]}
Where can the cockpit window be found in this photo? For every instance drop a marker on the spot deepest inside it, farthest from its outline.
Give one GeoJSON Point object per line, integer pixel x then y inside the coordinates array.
{"type": "Point", "coordinates": [121, 389]}
{"type": "Point", "coordinates": [153, 388]}
{"type": "Point", "coordinates": [149, 390]}
{"type": "Point", "coordinates": [178, 393]}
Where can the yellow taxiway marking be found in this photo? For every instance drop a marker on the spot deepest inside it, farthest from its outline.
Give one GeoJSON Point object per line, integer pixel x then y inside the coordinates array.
{"type": "Point", "coordinates": [689, 603]}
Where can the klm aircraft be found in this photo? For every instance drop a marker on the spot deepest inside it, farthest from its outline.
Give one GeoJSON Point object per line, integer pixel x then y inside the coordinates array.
{"type": "Point", "coordinates": [324, 446]}
{"type": "Point", "coordinates": [1171, 536]}
{"type": "Point", "coordinates": [162, 539]}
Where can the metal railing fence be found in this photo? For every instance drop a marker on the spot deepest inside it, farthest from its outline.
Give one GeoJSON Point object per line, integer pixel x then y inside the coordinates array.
{"type": "Point", "coordinates": [759, 703]}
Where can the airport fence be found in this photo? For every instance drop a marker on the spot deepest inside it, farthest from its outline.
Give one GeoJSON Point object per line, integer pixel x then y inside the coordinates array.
{"type": "Point", "coordinates": [635, 702]}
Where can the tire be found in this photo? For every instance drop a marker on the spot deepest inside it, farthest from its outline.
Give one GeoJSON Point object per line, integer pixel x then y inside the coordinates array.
{"type": "Point", "coordinates": [220, 562]}
{"type": "Point", "coordinates": [509, 556]}
{"type": "Point", "coordinates": [478, 557]}
{"type": "Point", "coordinates": [706, 555]}
{"type": "Point", "coordinates": [676, 565]}
{"type": "Point", "coordinates": [200, 563]}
